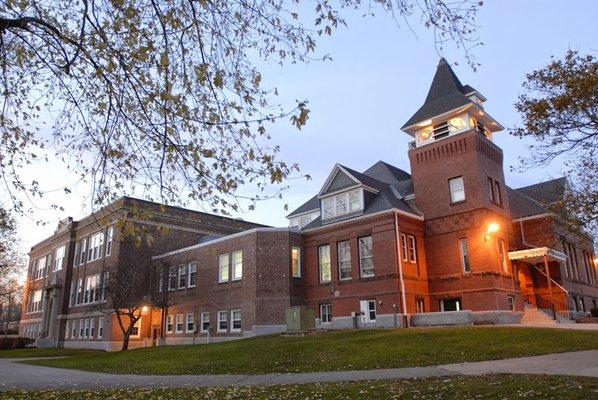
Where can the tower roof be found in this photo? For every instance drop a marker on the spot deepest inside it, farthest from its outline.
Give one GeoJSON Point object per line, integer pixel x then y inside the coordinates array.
{"type": "Point", "coordinates": [446, 93]}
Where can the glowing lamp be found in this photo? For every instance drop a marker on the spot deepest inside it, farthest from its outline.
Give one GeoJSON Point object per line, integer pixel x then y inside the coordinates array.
{"type": "Point", "coordinates": [492, 228]}
{"type": "Point", "coordinates": [144, 309]}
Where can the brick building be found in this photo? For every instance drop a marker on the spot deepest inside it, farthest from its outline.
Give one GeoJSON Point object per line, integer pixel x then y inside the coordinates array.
{"type": "Point", "coordinates": [447, 243]}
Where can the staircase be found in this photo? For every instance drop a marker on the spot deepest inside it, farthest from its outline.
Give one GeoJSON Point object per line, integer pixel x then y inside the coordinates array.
{"type": "Point", "coordinates": [534, 316]}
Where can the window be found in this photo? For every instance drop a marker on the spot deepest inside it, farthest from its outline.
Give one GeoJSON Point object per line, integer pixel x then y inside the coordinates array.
{"type": "Point", "coordinates": [59, 258]}
{"type": "Point", "coordinates": [368, 311]}
{"type": "Point", "coordinates": [80, 289]}
{"type": "Point", "coordinates": [136, 332]}
{"type": "Point", "coordinates": [105, 283]}
{"type": "Point", "coordinates": [73, 293]}
{"type": "Point", "coordinates": [441, 130]}
{"type": "Point", "coordinates": [457, 189]}
{"type": "Point", "coordinates": [74, 330]}
{"type": "Point", "coordinates": [296, 262]}
{"type": "Point", "coordinates": [502, 256]}
{"type": "Point", "coordinates": [450, 305]}
{"type": "Point", "coordinates": [324, 263]}
{"type": "Point", "coordinates": [170, 324]}
{"type": "Point", "coordinates": [491, 190]}
{"type": "Point", "coordinates": [497, 193]}
{"type": "Point", "coordinates": [366, 257]}
{"type": "Point", "coordinates": [92, 328]}
{"type": "Point", "coordinates": [83, 247]}
{"type": "Point", "coordinates": [190, 323]}
{"type": "Point", "coordinates": [77, 254]}
{"type": "Point", "coordinates": [192, 275]}
{"type": "Point", "coordinates": [237, 265]}
{"type": "Point", "coordinates": [67, 329]}
{"type": "Point", "coordinates": [182, 276]}
{"type": "Point", "coordinates": [419, 306]}
{"type": "Point", "coordinates": [222, 321]}
{"type": "Point", "coordinates": [223, 268]}
{"type": "Point", "coordinates": [464, 255]}
{"type": "Point", "coordinates": [40, 268]}
{"type": "Point", "coordinates": [179, 323]}
{"type": "Point", "coordinates": [36, 301]}
{"type": "Point", "coordinates": [96, 246]}
{"type": "Point", "coordinates": [511, 301]}
{"type": "Point", "coordinates": [109, 238]}
{"type": "Point", "coordinates": [205, 321]}
{"type": "Point", "coordinates": [172, 278]}
{"type": "Point", "coordinates": [81, 328]}
{"type": "Point", "coordinates": [92, 289]}
{"type": "Point", "coordinates": [325, 313]}
{"type": "Point", "coordinates": [341, 203]}
{"type": "Point", "coordinates": [87, 325]}
{"type": "Point", "coordinates": [344, 260]}
{"type": "Point", "coordinates": [235, 317]}
{"type": "Point", "coordinates": [411, 249]}
{"type": "Point", "coordinates": [100, 327]}
{"type": "Point", "coordinates": [404, 246]}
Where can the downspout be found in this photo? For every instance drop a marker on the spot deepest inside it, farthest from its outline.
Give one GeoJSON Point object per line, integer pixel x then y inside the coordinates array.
{"type": "Point", "coordinates": [400, 264]}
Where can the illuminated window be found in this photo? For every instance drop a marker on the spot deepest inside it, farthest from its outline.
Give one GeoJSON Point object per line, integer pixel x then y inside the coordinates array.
{"type": "Point", "coordinates": [59, 258]}
{"type": "Point", "coordinates": [324, 263]}
{"type": "Point", "coordinates": [457, 189]}
{"type": "Point", "coordinates": [441, 130]}
{"type": "Point", "coordinates": [223, 268]}
{"type": "Point", "coordinates": [296, 262]}
{"type": "Point", "coordinates": [344, 260]}
{"type": "Point", "coordinates": [237, 265]}
{"type": "Point", "coordinates": [135, 333]}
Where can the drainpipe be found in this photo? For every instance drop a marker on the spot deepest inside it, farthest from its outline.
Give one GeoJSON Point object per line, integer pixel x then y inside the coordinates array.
{"type": "Point", "coordinates": [400, 263]}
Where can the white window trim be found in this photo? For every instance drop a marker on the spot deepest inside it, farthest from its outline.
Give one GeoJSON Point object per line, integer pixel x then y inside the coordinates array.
{"type": "Point", "coordinates": [221, 267]}
{"type": "Point", "coordinates": [189, 285]}
{"type": "Point", "coordinates": [56, 258]}
{"type": "Point", "coordinates": [182, 271]}
{"type": "Point", "coordinates": [371, 257]}
{"type": "Point", "coordinates": [235, 265]}
{"type": "Point", "coordinates": [232, 321]}
{"type": "Point", "coordinates": [100, 327]}
{"type": "Point", "coordinates": [338, 257]}
{"type": "Point", "coordinates": [218, 329]}
{"type": "Point", "coordinates": [466, 269]}
{"type": "Point", "coordinates": [138, 324]}
{"type": "Point", "coordinates": [342, 197]}
{"type": "Point", "coordinates": [322, 322]}
{"type": "Point", "coordinates": [179, 317]}
{"type": "Point", "coordinates": [192, 315]}
{"type": "Point", "coordinates": [202, 320]}
{"type": "Point", "coordinates": [411, 241]}
{"type": "Point", "coordinates": [452, 191]}
{"type": "Point", "coordinates": [298, 274]}
{"type": "Point", "coordinates": [109, 240]}
{"type": "Point", "coordinates": [170, 321]}
{"type": "Point", "coordinates": [320, 265]}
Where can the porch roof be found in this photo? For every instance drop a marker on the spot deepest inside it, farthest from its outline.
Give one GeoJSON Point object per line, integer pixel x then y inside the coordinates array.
{"type": "Point", "coordinates": [537, 254]}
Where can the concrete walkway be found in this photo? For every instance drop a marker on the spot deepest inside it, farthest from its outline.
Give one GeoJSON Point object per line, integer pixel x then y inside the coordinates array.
{"type": "Point", "coordinates": [21, 376]}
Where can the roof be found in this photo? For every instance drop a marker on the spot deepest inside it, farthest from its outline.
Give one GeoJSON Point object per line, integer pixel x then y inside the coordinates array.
{"type": "Point", "coordinates": [446, 93]}
{"type": "Point", "coordinates": [391, 183]}
{"type": "Point", "coordinates": [535, 199]}
{"type": "Point", "coordinates": [548, 192]}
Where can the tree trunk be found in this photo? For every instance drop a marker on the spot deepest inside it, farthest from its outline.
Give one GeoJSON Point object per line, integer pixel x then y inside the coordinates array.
{"type": "Point", "coordinates": [125, 341]}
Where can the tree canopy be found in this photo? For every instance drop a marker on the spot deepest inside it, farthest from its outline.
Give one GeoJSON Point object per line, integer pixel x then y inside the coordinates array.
{"type": "Point", "coordinates": [559, 109]}
{"type": "Point", "coordinates": [165, 96]}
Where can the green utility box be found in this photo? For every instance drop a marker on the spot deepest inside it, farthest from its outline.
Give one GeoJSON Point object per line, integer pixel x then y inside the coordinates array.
{"type": "Point", "coordinates": [300, 318]}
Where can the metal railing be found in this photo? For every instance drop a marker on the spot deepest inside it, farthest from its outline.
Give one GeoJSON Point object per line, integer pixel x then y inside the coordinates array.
{"type": "Point", "coordinates": [558, 305]}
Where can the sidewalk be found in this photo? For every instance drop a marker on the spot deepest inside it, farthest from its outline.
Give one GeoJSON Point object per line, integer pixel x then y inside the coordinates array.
{"type": "Point", "coordinates": [21, 376]}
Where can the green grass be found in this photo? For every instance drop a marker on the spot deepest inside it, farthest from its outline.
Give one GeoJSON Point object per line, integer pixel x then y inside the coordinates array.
{"type": "Point", "coordinates": [486, 387]}
{"type": "Point", "coordinates": [341, 350]}
{"type": "Point", "coordinates": [33, 352]}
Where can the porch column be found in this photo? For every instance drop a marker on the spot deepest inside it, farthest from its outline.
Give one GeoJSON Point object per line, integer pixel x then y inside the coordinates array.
{"type": "Point", "coordinates": [549, 285]}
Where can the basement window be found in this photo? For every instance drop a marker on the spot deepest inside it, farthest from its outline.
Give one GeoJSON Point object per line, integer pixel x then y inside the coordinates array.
{"type": "Point", "coordinates": [450, 304]}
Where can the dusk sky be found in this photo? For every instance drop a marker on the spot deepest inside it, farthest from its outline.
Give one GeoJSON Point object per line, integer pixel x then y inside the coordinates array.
{"type": "Point", "coordinates": [378, 78]}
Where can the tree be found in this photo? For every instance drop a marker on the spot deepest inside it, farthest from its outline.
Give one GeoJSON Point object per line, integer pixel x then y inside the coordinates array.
{"type": "Point", "coordinates": [11, 258]}
{"type": "Point", "coordinates": [166, 97]}
{"type": "Point", "coordinates": [559, 109]}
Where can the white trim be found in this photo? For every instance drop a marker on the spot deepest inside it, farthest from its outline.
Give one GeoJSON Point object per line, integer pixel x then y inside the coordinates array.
{"type": "Point", "coordinates": [537, 252]}
{"type": "Point", "coordinates": [232, 321]}
{"type": "Point", "coordinates": [298, 248]}
{"type": "Point", "coordinates": [201, 321]}
{"type": "Point", "coordinates": [302, 213]}
{"type": "Point", "coordinates": [187, 322]}
{"type": "Point", "coordinates": [389, 211]}
{"type": "Point", "coordinates": [533, 217]}
{"type": "Point", "coordinates": [222, 239]}
{"type": "Point", "coordinates": [437, 118]}
{"type": "Point", "coordinates": [218, 320]}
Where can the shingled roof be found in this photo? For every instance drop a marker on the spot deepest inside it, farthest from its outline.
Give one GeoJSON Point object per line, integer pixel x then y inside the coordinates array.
{"type": "Point", "coordinates": [446, 93]}
{"type": "Point", "coordinates": [548, 192]}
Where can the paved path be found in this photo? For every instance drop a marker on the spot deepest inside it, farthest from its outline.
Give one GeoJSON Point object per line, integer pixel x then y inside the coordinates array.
{"type": "Point", "coordinates": [21, 376]}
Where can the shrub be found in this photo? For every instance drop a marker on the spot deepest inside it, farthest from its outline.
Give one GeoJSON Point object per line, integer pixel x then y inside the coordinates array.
{"type": "Point", "coordinates": [594, 312]}
{"type": "Point", "coordinates": [15, 343]}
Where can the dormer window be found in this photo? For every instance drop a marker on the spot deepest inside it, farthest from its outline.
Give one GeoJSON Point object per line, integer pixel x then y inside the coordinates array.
{"type": "Point", "coordinates": [342, 203]}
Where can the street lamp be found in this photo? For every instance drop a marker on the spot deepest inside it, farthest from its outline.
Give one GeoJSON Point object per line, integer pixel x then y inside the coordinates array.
{"type": "Point", "coordinates": [492, 228]}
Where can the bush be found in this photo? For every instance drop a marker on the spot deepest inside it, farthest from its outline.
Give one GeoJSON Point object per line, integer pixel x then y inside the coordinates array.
{"type": "Point", "coordinates": [15, 343]}
{"type": "Point", "coordinates": [594, 312]}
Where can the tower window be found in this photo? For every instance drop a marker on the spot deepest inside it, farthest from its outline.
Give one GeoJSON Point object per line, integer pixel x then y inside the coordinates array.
{"type": "Point", "coordinates": [441, 130]}
{"type": "Point", "coordinates": [457, 189]}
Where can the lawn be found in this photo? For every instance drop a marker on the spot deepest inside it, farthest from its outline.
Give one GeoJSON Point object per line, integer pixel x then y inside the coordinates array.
{"type": "Point", "coordinates": [33, 352]}
{"type": "Point", "coordinates": [486, 387]}
{"type": "Point", "coordinates": [340, 350]}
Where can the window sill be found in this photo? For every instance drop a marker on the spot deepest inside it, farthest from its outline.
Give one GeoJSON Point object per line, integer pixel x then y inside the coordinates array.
{"type": "Point", "coordinates": [457, 203]}
{"type": "Point", "coordinates": [235, 331]}
{"type": "Point", "coordinates": [367, 278]}
{"type": "Point", "coordinates": [236, 279]}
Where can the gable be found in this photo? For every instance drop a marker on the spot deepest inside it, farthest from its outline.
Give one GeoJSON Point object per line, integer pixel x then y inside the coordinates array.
{"type": "Point", "coordinates": [339, 181]}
